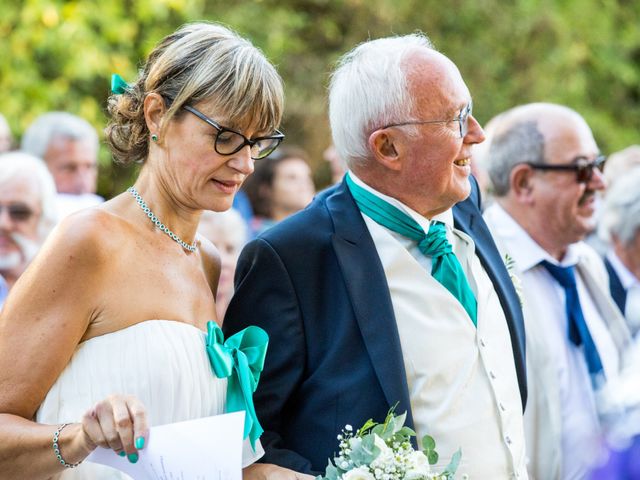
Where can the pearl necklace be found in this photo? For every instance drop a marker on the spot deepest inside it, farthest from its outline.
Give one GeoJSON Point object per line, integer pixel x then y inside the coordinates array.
{"type": "Point", "coordinates": [158, 223]}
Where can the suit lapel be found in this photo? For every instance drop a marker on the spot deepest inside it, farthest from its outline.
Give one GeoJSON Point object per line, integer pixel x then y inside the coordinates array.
{"type": "Point", "coordinates": [369, 294]}
{"type": "Point", "coordinates": [467, 218]}
{"type": "Point", "coordinates": [608, 310]}
{"type": "Point", "coordinates": [615, 286]}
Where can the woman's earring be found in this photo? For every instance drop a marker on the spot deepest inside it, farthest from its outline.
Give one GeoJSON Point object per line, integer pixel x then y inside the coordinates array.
{"type": "Point", "coordinates": [154, 137]}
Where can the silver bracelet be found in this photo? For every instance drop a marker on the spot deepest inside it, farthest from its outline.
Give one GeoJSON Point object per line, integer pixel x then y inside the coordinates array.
{"type": "Point", "coordinates": [56, 449]}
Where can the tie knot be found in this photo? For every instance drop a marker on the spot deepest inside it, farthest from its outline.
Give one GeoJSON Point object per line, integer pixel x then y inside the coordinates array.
{"type": "Point", "coordinates": [435, 243]}
{"type": "Point", "coordinates": [565, 276]}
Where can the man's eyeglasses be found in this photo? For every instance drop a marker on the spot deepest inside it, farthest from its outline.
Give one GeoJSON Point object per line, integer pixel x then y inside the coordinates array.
{"type": "Point", "coordinates": [582, 166]}
{"type": "Point", "coordinates": [462, 119]}
{"type": "Point", "coordinates": [229, 141]}
{"type": "Point", "coordinates": [18, 212]}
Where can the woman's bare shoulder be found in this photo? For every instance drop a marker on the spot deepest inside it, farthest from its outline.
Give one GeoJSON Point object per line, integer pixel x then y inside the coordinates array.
{"type": "Point", "coordinates": [92, 233]}
{"type": "Point", "coordinates": [59, 295]}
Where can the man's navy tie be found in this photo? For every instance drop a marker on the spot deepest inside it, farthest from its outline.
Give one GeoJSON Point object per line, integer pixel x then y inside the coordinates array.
{"type": "Point", "coordinates": [578, 330]}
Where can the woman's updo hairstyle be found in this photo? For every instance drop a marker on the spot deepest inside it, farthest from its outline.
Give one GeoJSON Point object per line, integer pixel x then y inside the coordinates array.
{"type": "Point", "coordinates": [198, 62]}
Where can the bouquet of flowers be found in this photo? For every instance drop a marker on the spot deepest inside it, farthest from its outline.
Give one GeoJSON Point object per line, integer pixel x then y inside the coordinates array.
{"type": "Point", "coordinates": [384, 452]}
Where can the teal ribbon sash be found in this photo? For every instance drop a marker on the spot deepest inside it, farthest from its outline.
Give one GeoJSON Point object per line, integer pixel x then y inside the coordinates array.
{"type": "Point", "coordinates": [240, 359]}
{"type": "Point", "coordinates": [445, 267]}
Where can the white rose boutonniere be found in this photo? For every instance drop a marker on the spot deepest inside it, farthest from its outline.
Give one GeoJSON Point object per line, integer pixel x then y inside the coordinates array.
{"type": "Point", "coordinates": [510, 263]}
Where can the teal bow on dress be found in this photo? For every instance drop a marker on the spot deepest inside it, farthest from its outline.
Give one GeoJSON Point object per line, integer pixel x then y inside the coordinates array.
{"type": "Point", "coordinates": [241, 359]}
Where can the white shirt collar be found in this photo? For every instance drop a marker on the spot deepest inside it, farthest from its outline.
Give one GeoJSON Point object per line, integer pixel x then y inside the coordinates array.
{"type": "Point", "coordinates": [444, 217]}
{"type": "Point", "coordinates": [524, 250]}
{"type": "Point", "coordinates": [627, 279]}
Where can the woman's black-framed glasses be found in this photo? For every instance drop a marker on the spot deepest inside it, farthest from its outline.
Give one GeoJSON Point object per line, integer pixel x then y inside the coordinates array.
{"type": "Point", "coordinates": [229, 141]}
{"type": "Point", "coordinates": [462, 119]}
{"type": "Point", "coordinates": [581, 165]}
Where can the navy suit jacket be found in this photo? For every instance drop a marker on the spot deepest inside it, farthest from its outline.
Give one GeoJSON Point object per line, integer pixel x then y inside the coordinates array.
{"type": "Point", "coordinates": [618, 292]}
{"type": "Point", "coordinates": [316, 285]}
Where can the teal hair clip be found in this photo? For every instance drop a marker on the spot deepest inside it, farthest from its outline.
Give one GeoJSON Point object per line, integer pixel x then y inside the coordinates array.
{"type": "Point", "coordinates": [118, 85]}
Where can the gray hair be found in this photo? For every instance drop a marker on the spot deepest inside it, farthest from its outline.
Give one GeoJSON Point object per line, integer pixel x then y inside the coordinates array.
{"type": "Point", "coordinates": [619, 163]}
{"type": "Point", "coordinates": [620, 213]}
{"type": "Point", "coordinates": [369, 89]}
{"type": "Point", "coordinates": [521, 143]}
{"type": "Point", "coordinates": [20, 164]}
{"type": "Point", "coordinates": [52, 125]}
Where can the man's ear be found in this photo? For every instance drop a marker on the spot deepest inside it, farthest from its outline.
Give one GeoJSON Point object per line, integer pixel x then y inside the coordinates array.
{"type": "Point", "coordinates": [154, 110]}
{"type": "Point", "coordinates": [521, 182]}
{"type": "Point", "coordinates": [384, 145]}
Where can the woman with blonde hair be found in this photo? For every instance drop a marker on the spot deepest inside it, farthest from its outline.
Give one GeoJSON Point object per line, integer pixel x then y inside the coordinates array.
{"type": "Point", "coordinates": [104, 334]}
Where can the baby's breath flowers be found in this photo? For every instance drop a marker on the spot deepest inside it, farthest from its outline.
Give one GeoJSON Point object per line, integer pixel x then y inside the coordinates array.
{"type": "Point", "coordinates": [384, 452]}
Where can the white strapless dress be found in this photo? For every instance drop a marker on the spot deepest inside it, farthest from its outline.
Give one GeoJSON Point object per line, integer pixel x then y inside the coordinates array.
{"type": "Point", "coordinates": [164, 363]}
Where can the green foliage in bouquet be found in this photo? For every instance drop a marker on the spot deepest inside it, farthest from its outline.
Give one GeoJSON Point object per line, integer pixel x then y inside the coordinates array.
{"type": "Point", "coordinates": [383, 451]}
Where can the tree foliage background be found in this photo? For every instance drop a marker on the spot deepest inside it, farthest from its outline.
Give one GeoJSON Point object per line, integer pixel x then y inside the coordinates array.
{"type": "Point", "coordinates": [59, 55]}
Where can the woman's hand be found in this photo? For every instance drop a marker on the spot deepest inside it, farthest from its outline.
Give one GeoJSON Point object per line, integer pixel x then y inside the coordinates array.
{"type": "Point", "coordinates": [118, 422]}
{"type": "Point", "coordinates": [267, 471]}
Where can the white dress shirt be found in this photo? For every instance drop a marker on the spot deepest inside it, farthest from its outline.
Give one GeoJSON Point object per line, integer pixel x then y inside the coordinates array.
{"type": "Point", "coordinates": [462, 380]}
{"type": "Point", "coordinates": [548, 344]}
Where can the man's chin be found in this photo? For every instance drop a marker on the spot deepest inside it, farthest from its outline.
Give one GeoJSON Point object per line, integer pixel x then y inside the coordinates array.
{"type": "Point", "coordinates": [463, 191]}
{"type": "Point", "coordinates": [581, 230]}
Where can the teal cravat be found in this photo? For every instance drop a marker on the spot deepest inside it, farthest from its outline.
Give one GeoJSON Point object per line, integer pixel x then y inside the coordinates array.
{"type": "Point", "coordinates": [445, 267]}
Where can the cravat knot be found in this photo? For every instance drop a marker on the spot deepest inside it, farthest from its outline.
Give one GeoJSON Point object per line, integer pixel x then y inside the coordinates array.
{"type": "Point", "coordinates": [435, 243]}
{"type": "Point", "coordinates": [445, 267]}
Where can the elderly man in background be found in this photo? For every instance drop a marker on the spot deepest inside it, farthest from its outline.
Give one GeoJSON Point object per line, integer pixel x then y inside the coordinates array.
{"type": "Point", "coordinates": [27, 212]}
{"type": "Point", "coordinates": [388, 288]}
{"type": "Point", "coordinates": [620, 228]}
{"type": "Point", "coordinates": [544, 165]}
{"type": "Point", "coordinates": [69, 146]}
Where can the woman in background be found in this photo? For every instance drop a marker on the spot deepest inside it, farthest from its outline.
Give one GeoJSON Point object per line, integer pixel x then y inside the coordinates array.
{"type": "Point", "coordinates": [281, 186]}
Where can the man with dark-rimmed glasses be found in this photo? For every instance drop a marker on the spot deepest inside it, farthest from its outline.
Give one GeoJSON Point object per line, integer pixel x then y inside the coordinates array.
{"type": "Point", "coordinates": [545, 169]}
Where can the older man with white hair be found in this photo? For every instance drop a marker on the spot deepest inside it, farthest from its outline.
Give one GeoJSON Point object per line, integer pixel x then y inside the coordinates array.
{"type": "Point", "coordinates": [69, 146]}
{"type": "Point", "coordinates": [27, 212]}
{"type": "Point", "coordinates": [620, 227]}
{"type": "Point", "coordinates": [388, 289]}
